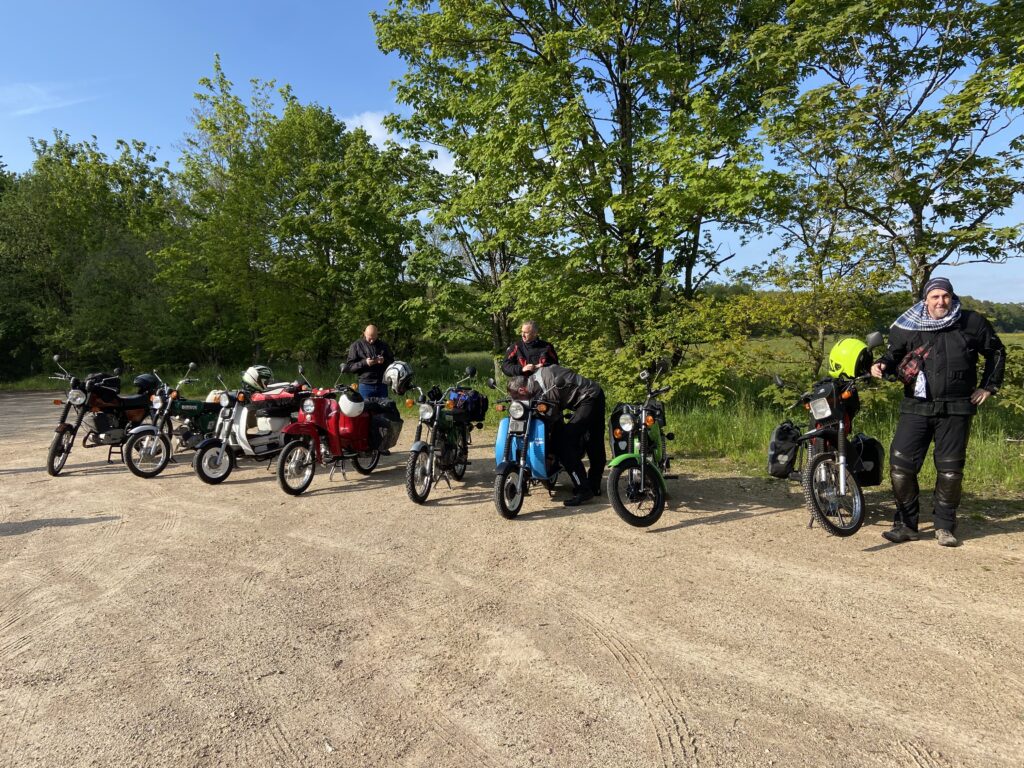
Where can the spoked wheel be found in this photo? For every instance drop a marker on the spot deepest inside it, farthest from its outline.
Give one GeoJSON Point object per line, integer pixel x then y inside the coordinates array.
{"type": "Point", "coordinates": [459, 469]}
{"type": "Point", "coordinates": [508, 494]}
{"type": "Point", "coordinates": [366, 464]}
{"type": "Point", "coordinates": [60, 449]}
{"type": "Point", "coordinates": [636, 493]}
{"type": "Point", "coordinates": [839, 514]}
{"type": "Point", "coordinates": [211, 467]}
{"type": "Point", "coordinates": [296, 466]}
{"type": "Point", "coordinates": [147, 455]}
{"type": "Point", "coordinates": [418, 477]}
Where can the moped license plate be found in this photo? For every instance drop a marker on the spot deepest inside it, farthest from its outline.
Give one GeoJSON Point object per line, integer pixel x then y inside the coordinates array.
{"type": "Point", "coordinates": [516, 427]}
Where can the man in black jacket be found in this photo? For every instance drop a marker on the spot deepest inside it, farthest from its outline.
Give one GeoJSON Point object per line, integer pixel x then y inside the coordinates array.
{"type": "Point", "coordinates": [934, 348]}
{"type": "Point", "coordinates": [369, 357]}
{"type": "Point", "coordinates": [528, 353]}
{"type": "Point", "coordinates": [585, 398]}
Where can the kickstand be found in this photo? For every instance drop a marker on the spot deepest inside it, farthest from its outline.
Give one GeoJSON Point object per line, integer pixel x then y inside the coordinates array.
{"type": "Point", "coordinates": [810, 523]}
{"type": "Point", "coordinates": [447, 480]}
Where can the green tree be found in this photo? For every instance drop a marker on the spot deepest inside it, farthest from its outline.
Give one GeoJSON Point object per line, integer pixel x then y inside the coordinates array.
{"type": "Point", "coordinates": [901, 113]}
{"type": "Point", "coordinates": [613, 133]}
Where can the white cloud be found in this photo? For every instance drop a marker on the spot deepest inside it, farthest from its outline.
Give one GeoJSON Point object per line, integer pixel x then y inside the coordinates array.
{"type": "Point", "coordinates": [373, 124]}
{"type": "Point", "coordinates": [23, 99]}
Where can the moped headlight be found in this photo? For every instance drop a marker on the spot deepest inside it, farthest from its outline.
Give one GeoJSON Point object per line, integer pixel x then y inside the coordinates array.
{"type": "Point", "coordinates": [308, 406]}
{"type": "Point", "coordinates": [76, 397]}
{"type": "Point", "coordinates": [626, 422]}
{"type": "Point", "coordinates": [820, 408]}
{"type": "Point", "coordinates": [225, 400]}
{"type": "Point", "coordinates": [426, 412]}
{"type": "Point", "coordinates": [516, 409]}
{"type": "Point", "coordinates": [158, 403]}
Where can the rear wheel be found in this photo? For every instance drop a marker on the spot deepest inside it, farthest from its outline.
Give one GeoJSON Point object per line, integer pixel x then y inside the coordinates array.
{"type": "Point", "coordinates": [60, 448]}
{"type": "Point", "coordinates": [840, 514]}
{"type": "Point", "coordinates": [147, 455]}
{"type": "Point", "coordinates": [366, 464]}
{"type": "Point", "coordinates": [462, 458]}
{"type": "Point", "coordinates": [295, 467]}
{"type": "Point", "coordinates": [418, 476]}
{"type": "Point", "coordinates": [635, 493]}
{"type": "Point", "coordinates": [211, 465]}
{"type": "Point", "coordinates": [508, 493]}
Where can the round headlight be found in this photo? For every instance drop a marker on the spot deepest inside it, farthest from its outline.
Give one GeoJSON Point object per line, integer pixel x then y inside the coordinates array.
{"type": "Point", "coordinates": [225, 400]}
{"type": "Point", "coordinates": [626, 422]}
{"type": "Point", "coordinates": [158, 403]}
{"type": "Point", "coordinates": [516, 409]}
{"type": "Point", "coordinates": [426, 412]}
{"type": "Point", "coordinates": [308, 406]}
{"type": "Point", "coordinates": [76, 397]}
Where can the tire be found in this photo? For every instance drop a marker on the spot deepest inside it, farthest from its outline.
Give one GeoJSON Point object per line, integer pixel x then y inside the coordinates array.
{"type": "Point", "coordinates": [366, 464]}
{"type": "Point", "coordinates": [838, 515]}
{"type": "Point", "coordinates": [203, 464]}
{"type": "Point", "coordinates": [507, 498]}
{"type": "Point", "coordinates": [146, 466]}
{"type": "Point", "coordinates": [418, 481]}
{"type": "Point", "coordinates": [60, 449]}
{"type": "Point", "coordinates": [459, 469]}
{"type": "Point", "coordinates": [296, 466]}
{"type": "Point", "coordinates": [639, 509]}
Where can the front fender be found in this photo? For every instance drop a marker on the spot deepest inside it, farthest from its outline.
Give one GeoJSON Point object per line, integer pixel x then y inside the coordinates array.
{"type": "Point", "coordinates": [635, 458]}
{"type": "Point", "coordinates": [144, 429]}
{"type": "Point", "coordinates": [215, 441]}
{"type": "Point", "coordinates": [507, 464]}
{"type": "Point", "coordinates": [64, 426]}
{"type": "Point", "coordinates": [304, 429]}
{"type": "Point", "coordinates": [419, 445]}
{"type": "Point", "coordinates": [831, 434]}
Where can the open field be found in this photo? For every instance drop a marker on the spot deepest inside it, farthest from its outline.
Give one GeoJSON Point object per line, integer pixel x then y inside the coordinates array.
{"type": "Point", "coordinates": [168, 623]}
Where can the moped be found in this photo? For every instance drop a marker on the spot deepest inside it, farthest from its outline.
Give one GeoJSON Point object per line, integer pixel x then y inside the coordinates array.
{"type": "Point", "coordinates": [96, 406]}
{"type": "Point", "coordinates": [837, 465]}
{"type": "Point", "coordinates": [448, 417]}
{"type": "Point", "coordinates": [333, 426]}
{"type": "Point", "coordinates": [250, 425]}
{"type": "Point", "coordinates": [178, 424]}
{"type": "Point", "coordinates": [640, 463]}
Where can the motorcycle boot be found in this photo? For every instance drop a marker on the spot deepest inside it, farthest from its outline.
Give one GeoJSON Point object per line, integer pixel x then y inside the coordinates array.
{"type": "Point", "coordinates": [582, 492]}
{"type": "Point", "coordinates": [908, 505]}
{"type": "Point", "coordinates": [948, 484]}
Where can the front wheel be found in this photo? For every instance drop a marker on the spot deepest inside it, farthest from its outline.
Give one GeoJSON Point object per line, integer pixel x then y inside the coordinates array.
{"type": "Point", "coordinates": [366, 464]}
{"type": "Point", "coordinates": [295, 467]}
{"type": "Point", "coordinates": [60, 449]}
{"type": "Point", "coordinates": [635, 493]}
{"type": "Point", "coordinates": [147, 455]}
{"type": "Point", "coordinates": [508, 492]}
{"type": "Point", "coordinates": [419, 479]}
{"type": "Point", "coordinates": [211, 465]}
{"type": "Point", "coordinates": [839, 514]}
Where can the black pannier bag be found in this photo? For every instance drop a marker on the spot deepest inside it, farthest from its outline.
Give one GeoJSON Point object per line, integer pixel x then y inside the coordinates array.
{"type": "Point", "coordinates": [385, 423]}
{"type": "Point", "coordinates": [783, 450]}
{"type": "Point", "coordinates": [867, 460]}
{"type": "Point", "coordinates": [471, 403]}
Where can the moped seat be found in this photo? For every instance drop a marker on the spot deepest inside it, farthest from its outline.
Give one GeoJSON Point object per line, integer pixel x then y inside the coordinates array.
{"type": "Point", "coordinates": [130, 402]}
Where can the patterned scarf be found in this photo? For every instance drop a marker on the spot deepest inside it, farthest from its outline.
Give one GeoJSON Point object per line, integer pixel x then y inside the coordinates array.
{"type": "Point", "coordinates": [917, 318]}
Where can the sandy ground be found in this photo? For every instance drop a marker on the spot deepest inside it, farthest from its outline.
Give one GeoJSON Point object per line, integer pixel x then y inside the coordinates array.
{"type": "Point", "coordinates": [171, 623]}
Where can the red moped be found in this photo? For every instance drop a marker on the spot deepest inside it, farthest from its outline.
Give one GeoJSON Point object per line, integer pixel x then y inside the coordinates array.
{"type": "Point", "coordinates": [334, 426]}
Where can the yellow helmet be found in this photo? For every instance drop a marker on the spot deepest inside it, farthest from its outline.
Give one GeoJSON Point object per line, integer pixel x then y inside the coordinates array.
{"type": "Point", "coordinates": [849, 357]}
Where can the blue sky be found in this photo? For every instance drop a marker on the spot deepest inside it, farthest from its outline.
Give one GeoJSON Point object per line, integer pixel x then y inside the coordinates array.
{"type": "Point", "coordinates": [129, 70]}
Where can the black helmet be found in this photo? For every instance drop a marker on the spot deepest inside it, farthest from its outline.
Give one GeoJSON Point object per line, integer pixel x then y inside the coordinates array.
{"type": "Point", "coordinates": [146, 383]}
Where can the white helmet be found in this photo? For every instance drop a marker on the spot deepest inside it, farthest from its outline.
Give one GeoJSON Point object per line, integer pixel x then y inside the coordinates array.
{"type": "Point", "coordinates": [398, 375]}
{"type": "Point", "coordinates": [257, 377]}
{"type": "Point", "coordinates": [351, 403]}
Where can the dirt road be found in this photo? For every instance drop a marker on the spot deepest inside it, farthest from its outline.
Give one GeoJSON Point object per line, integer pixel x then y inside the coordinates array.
{"type": "Point", "coordinates": [171, 623]}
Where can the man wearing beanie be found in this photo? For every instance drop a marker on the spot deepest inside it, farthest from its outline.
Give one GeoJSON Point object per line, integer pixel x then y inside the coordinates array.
{"type": "Point", "coordinates": [933, 349]}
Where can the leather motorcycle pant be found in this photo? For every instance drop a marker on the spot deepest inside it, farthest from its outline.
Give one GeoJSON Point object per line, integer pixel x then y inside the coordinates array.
{"type": "Point", "coordinates": [588, 421]}
{"type": "Point", "coordinates": [914, 435]}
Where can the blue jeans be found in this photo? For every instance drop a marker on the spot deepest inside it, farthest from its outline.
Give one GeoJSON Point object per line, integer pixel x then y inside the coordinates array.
{"type": "Point", "coordinates": [373, 390]}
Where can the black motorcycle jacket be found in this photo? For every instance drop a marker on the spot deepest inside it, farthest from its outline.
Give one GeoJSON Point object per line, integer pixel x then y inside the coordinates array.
{"type": "Point", "coordinates": [562, 386]}
{"type": "Point", "coordinates": [951, 358]}
{"type": "Point", "coordinates": [521, 353]}
{"type": "Point", "coordinates": [359, 351]}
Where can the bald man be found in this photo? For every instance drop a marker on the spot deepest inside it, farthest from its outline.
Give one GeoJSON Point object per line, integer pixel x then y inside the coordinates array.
{"type": "Point", "coordinates": [369, 357]}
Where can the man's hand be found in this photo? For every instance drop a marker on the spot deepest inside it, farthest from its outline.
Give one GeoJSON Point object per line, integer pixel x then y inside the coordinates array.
{"type": "Point", "coordinates": [877, 370]}
{"type": "Point", "coordinates": [980, 396]}
{"type": "Point", "coordinates": [529, 368]}
{"type": "Point", "coordinates": [370, 360]}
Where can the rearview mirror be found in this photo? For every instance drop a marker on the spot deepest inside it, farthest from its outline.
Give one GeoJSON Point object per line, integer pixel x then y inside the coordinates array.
{"type": "Point", "coordinates": [117, 371]}
{"type": "Point", "coordinates": [470, 371]}
{"type": "Point", "coordinates": [491, 383]}
{"type": "Point", "coordinates": [56, 358]}
{"type": "Point", "coordinates": [874, 339]}
{"type": "Point", "coordinates": [341, 367]}
{"type": "Point", "coordinates": [302, 371]}
{"type": "Point", "coordinates": [192, 366]}
{"type": "Point", "coordinates": [778, 381]}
